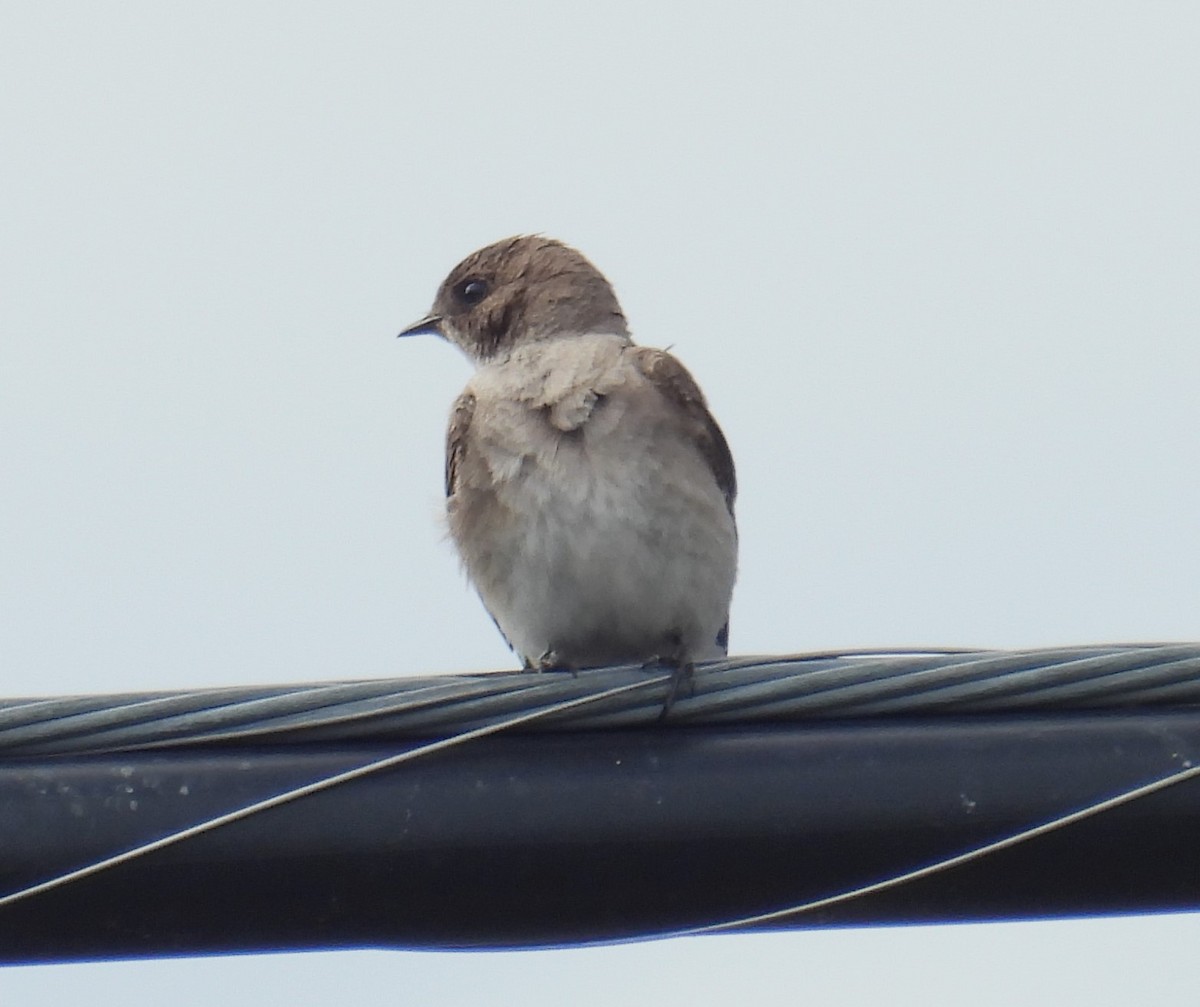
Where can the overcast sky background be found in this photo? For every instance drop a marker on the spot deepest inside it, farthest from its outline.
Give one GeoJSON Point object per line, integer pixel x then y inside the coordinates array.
{"type": "Point", "coordinates": [937, 266]}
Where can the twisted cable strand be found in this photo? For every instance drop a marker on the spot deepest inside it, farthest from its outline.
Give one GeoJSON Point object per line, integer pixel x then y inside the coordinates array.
{"type": "Point", "coordinates": [745, 689]}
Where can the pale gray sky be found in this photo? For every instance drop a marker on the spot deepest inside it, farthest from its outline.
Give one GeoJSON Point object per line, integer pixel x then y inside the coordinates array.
{"type": "Point", "coordinates": [936, 265]}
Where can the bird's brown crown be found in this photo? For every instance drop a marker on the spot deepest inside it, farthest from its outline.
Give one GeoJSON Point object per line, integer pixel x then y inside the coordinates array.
{"type": "Point", "coordinates": [521, 290]}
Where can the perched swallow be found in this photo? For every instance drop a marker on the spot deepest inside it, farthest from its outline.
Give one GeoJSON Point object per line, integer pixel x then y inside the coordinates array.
{"type": "Point", "coordinates": [589, 490]}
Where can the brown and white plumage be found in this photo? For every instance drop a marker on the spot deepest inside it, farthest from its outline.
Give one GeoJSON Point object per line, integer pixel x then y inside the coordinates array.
{"type": "Point", "coordinates": [589, 490]}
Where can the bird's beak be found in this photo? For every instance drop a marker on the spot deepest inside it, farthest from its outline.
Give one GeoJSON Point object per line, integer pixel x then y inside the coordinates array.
{"type": "Point", "coordinates": [430, 324]}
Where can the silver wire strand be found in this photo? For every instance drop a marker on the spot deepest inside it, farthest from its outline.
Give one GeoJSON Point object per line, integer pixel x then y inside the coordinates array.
{"type": "Point", "coordinates": [738, 690]}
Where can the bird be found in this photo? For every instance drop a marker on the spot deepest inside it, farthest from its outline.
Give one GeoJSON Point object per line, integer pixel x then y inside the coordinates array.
{"type": "Point", "coordinates": [589, 490]}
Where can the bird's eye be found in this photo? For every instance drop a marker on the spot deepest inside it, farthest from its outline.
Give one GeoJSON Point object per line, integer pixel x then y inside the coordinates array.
{"type": "Point", "coordinates": [471, 291]}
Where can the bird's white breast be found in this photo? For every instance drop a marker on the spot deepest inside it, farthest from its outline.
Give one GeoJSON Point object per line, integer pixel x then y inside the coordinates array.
{"type": "Point", "coordinates": [590, 523]}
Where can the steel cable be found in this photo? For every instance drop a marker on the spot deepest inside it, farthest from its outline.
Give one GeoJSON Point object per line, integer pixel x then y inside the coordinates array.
{"type": "Point", "coordinates": [742, 690]}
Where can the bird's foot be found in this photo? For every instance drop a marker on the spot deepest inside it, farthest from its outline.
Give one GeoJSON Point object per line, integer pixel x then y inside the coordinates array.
{"type": "Point", "coordinates": [683, 677]}
{"type": "Point", "coordinates": [550, 661]}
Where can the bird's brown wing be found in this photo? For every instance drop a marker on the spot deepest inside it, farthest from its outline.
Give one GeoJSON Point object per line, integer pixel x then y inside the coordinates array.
{"type": "Point", "coordinates": [671, 378]}
{"type": "Point", "coordinates": [456, 448]}
{"type": "Point", "coordinates": [456, 437]}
